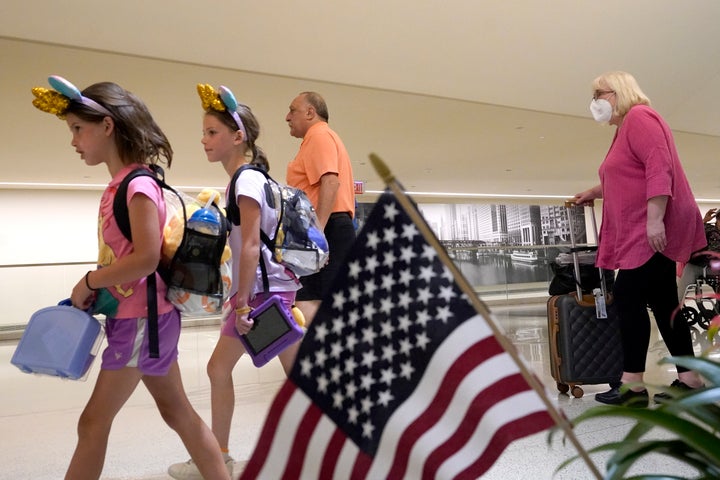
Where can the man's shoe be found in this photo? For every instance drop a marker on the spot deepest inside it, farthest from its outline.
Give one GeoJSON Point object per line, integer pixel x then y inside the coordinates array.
{"type": "Point", "coordinates": [189, 471]}
{"type": "Point", "coordinates": [628, 398]}
{"type": "Point", "coordinates": [677, 385]}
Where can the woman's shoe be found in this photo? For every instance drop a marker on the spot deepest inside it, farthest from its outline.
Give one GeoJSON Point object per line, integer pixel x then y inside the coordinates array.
{"type": "Point", "coordinates": [678, 386]}
{"type": "Point", "coordinates": [628, 398]}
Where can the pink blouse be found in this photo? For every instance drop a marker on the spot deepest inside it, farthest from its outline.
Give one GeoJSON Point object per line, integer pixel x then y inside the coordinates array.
{"type": "Point", "coordinates": [643, 163]}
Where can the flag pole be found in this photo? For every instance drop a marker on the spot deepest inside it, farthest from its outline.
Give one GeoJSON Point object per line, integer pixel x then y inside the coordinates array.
{"type": "Point", "coordinates": [480, 306]}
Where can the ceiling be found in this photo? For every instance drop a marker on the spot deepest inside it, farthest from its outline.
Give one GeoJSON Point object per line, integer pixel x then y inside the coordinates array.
{"type": "Point", "coordinates": [473, 97]}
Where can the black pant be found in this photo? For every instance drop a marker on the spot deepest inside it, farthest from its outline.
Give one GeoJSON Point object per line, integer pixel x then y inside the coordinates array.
{"type": "Point", "coordinates": [650, 285]}
{"type": "Point", "coordinates": [340, 235]}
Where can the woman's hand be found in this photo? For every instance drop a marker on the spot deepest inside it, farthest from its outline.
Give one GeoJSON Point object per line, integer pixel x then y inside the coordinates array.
{"type": "Point", "coordinates": [655, 223]}
{"type": "Point", "coordinates": [656, 235]}
{"type": "Point", "coordinates": [586, 197]}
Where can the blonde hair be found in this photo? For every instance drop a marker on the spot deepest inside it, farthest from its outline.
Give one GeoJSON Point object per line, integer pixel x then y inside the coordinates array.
{"type": "Point", "coordinates": [626, 88]}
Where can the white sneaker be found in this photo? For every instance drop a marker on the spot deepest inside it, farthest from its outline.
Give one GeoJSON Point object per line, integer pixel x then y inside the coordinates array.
{"type": "Point", "coordinates": [189, 471]}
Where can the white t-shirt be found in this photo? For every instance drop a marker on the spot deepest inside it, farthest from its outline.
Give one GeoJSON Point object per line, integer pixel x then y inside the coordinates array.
{"type": "Point", "coordinates": [251, 184]}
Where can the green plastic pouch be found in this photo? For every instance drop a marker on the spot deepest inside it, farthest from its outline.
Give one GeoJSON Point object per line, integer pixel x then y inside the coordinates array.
{"type": "Point", "coordinates": [105, 303]}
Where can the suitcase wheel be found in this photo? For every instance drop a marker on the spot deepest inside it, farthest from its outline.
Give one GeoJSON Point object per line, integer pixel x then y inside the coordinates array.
{"type": "Point", "coordinates": [577, 391]}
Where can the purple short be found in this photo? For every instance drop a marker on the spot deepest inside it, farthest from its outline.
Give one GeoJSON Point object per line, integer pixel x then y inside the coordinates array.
{"type": "Point", "coordinates": [127, 340]}
{"type": "Point", "coordinates": [228, 317]}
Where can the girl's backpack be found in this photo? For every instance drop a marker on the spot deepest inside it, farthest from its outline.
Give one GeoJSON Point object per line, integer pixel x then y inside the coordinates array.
{"type": "Point", "coordinates": [297, 242]}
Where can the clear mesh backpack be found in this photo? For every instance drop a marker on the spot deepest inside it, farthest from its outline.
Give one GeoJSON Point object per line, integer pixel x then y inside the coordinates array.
{"type": "Point", "coordinates": [297, 243]}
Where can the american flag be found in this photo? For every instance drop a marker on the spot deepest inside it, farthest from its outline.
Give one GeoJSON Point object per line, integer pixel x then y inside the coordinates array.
{"type": "Point", "coordinates": [398, 376]}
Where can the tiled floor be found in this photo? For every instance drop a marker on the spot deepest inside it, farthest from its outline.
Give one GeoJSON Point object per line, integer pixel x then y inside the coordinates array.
{"type": "Point", "coordinates": [38, 414]}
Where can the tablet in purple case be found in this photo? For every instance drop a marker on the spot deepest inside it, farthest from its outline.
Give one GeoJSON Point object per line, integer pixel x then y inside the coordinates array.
{"type": "Point", "coordinates": [274, 330]}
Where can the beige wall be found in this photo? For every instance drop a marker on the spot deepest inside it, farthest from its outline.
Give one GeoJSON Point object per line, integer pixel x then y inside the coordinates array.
{"type": "Point", "coordinates": [31, 137]}
{"type": "Point", "coordinates": [35, 146]}
{"type": "Point", "coordinates": [45, 234]}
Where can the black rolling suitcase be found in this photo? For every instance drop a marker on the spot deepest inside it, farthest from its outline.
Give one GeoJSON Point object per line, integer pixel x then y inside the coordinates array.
{"type": "Point", "coordinates": [585, 348]}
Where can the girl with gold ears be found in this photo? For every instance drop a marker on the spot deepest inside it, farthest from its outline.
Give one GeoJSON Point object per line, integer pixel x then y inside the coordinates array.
{"type": "Point", "coordinates": [111, 126]}
{"type": "Point", "coordinates": [230, 131]}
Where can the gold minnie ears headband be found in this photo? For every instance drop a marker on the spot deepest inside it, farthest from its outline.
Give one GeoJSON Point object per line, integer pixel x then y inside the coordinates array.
{"type": "Point", "coordinates": [56, 101]}
{"type": "Point", "coordinates": [220, 101]}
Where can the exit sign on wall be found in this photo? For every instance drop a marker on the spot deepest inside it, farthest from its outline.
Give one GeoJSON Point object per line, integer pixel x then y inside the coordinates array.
{"type": "Point", "coordinates": [359, 188]}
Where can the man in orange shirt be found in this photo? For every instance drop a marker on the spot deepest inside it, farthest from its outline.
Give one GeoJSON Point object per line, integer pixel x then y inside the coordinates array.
{"type": "Point", "coordinates": [322, 169]}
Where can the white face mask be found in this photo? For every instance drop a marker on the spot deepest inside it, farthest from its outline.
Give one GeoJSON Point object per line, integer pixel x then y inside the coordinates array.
{"type": "Point", "coordinates": [601, 110]}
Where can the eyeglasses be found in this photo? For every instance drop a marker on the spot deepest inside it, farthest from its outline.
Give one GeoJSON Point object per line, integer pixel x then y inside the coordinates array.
{"type": "Point", "coordinates": [600, 93]}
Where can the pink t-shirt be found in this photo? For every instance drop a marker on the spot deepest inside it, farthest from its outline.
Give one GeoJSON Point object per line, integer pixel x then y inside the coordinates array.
{"type": "Point", "coordinates": [132, 296]}
{"type": "Point", "coordinates": [643, 163]}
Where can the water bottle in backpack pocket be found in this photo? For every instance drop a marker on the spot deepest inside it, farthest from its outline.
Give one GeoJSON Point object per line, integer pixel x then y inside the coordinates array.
{"type": "Point", "coordinates": [196, 260]}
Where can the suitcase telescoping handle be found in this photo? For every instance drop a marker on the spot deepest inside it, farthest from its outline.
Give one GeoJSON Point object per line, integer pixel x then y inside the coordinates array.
{"type": "Point", "coordinates": [569, 204]}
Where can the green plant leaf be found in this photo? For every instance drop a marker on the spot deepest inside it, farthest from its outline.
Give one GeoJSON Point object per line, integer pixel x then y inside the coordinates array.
{"type": "Point", "coordinates": [704, 366]}
{"type": "Point", "coordinates": [692, 419]}
{"type": "Point", "coordinates": [628, 453]}
{"type": "Point", "coordinates": [656, 477]}
{"type": "Point", "coordinates": [600, 448]}
{"type": "Point", "coordinates": [702, 441]}
{"type": "Point", "coordinates": [699, 405]}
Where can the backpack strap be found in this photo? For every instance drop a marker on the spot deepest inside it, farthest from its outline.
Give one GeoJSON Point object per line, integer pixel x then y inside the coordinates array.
{"type": "Point", "coordinates": [122, 217]}
{"type": "Point", "coordinates": [120, 206]}
{"type": "Point", "coordinates": [233, 213]}
{"type": "Point", "coordinates": [153, 327]}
